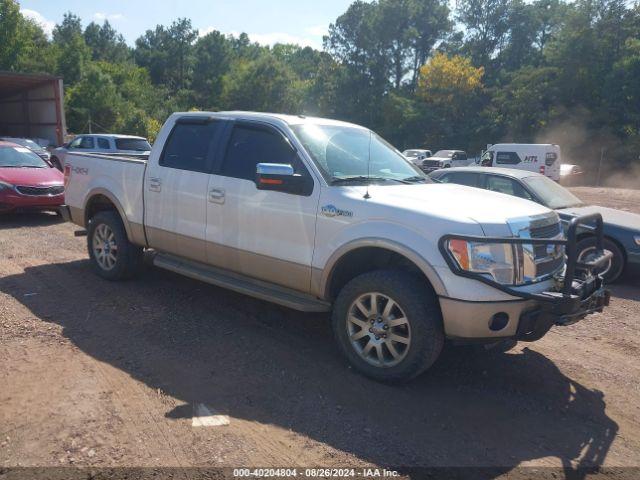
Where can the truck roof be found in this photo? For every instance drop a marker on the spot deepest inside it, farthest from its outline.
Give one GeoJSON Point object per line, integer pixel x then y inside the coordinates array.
{"type": "Point", "coordinates": [110, 135]}
{"type": "Point", "coordinates": [277, 117]}
{"type": "Point", "coordinates": [511, 172]}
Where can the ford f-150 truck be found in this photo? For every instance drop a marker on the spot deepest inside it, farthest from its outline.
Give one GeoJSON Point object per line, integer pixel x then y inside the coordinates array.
{"type": "Point", "coordinates": [321, 215]}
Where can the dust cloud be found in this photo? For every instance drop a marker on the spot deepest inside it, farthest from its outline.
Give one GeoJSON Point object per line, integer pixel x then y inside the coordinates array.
{"type": "Point", "coordinates": [601, 154]}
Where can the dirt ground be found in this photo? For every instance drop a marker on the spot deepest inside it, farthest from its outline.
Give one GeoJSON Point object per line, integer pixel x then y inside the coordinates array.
{"type": "Point", "coordinates": [104, 374]}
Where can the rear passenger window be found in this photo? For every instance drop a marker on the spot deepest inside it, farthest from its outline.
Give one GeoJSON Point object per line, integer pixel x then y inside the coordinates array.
{"type": "Point", "coordinates": [507, 186]}
{"type": "Point", "coordinates": [250, 145]}
{"type": "Point", "coordinates": [103, 143]}
{"type": "Point", "coordinates": [189, 146]}
{"type": "Point", "coordinates": [463, 178]}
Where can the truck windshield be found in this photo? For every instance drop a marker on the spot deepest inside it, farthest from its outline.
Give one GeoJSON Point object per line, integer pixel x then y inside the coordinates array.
{"type": "Point", "coordinates": [444, 153]}
{"type": "Point", "coordinates": [20, 157]}
{"type": "Point", "coordinates": [412, 153]}
{"type": "Point", "coordinates": [551, 194]}
{"type": "Point", "coordinates": [134, 144]}
{"type": "Point", "coordinates": [349, 154]}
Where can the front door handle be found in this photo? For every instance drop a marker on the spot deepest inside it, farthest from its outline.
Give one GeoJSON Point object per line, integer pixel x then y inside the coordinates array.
{"type": "Point", "coordinates": [216, 195]}
{"type": "Point", "coordinates": [155, 184]}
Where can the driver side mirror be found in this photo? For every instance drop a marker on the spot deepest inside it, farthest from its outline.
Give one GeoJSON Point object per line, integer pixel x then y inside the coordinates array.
{"type": "Point", "coordinates": [281, 177]}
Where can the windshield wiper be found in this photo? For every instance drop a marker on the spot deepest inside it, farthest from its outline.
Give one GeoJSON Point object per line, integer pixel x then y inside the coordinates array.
{"type": "Point", "coordinates": [364, 178]}
{"type": "Point", "coordinates": [415, 179]}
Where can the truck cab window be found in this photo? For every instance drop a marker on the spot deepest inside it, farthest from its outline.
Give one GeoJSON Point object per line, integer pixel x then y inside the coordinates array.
{"type": "Point", "coordinates": [103, 143]}
{"type": "Point", "coordinates": [189, 147]}
{"type": "Point", "coordinates": [87, 143]}
{"type": "Point", "coordinates": [250, 145]}
{"type": "Point", "coordinates": [76, 142]}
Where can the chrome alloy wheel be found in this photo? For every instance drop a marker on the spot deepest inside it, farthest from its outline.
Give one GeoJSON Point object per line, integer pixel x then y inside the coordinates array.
{"type": "Point", "coordinates": [105, 249]}
{"type": "Point", "coordinates": [379, 330]}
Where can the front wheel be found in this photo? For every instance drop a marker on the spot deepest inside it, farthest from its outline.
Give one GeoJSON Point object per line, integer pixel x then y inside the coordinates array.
{"type": "Point", "coordinates": [613, 269]}
{"type": "Point", "coordinates": [388, 325]}
{"type": "Point", "coordinates": [112, 255]}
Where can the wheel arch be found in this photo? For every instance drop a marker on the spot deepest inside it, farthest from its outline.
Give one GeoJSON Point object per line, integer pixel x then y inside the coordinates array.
{"type": "Point", "coordinates": [369, 254]}
{"type": "Point", "coordinates": [101, 199]}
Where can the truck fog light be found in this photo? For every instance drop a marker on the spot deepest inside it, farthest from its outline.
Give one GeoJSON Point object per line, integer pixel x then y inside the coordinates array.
{"type": "Point", "coordinates": [499, 321]}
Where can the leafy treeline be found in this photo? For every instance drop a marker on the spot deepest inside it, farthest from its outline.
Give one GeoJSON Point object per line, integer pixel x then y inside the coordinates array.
{"type": "Point", "coordinates": [420, 74]}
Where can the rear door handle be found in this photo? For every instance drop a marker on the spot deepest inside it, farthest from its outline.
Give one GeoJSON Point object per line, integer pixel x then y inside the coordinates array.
{"type": "Point", "coordinates": [155, 184]}
{"type": "Point", "coordinates": [216, 195]}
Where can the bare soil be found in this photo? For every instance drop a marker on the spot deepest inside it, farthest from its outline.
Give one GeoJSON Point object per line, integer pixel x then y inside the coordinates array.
{"type": "Point", "coordinates": [103, 374]}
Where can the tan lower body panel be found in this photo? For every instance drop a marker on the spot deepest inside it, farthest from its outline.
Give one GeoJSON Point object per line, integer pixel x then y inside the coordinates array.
{"type": "Point", "coordinates": [77, 216]}
{"type": "Point", "coordinates": [273, 270]}
{"type": "Point", "coordinates": [464, 319]}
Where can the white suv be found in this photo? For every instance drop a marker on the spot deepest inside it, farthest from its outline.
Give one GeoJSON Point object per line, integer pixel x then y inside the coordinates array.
{"type": "Point", "coordinates": [105, 144]}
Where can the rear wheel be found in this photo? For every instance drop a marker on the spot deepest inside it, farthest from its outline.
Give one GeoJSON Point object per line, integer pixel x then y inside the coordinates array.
{"type": "Point", "coordinates": [388, 325]}
{"type": "Point", "coordinates": [611, 272]}
{"type": "Point", "coordinates": [112, 255]}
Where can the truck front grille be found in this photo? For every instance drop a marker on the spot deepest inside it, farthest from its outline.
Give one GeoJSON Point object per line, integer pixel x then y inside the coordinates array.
{"type": "Point", "coordinates": [431, 163]}
{"type": "Point", "coordinates": [538, 262]}
{"type": "Point", "coordinates": [40, 191]}
{"type": "Point", "coordinates": [545, 231]}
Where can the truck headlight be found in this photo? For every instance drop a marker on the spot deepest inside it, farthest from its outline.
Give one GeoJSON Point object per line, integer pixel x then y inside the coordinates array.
{"type": "Point", "coordinates": [637, 240]}
{"type": "Point", "coordinates": [5, 186]}
{"type": "Point", "coordinates": [497, 260]}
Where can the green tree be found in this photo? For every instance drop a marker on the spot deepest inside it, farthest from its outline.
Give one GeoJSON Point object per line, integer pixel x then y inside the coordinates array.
{"type": "Point", "coordinates": [213, 55]}
{"type": "Point", "coordinates": [168, 54]}
{"type": "Point", "coordinates": [105, 43]}
{"type": "Point", "coordinates": [487, 25]}
{"type": "Point", "coordinates": [94, 101]}
{"type": "Point", "coordinates": [72, 53]}
{"type": "Point", "coordinates": [264, 85]}
{"type": "Point", "coordinates": [12, 42]}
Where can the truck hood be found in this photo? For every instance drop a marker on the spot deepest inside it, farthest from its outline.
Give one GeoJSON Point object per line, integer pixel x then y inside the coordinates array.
{"type": "Point", "coordinates": [31, 177]}
{"type": "Point", "coordinates": [618, 218]}
{"type": "Point", "coordinates": [458, 203]}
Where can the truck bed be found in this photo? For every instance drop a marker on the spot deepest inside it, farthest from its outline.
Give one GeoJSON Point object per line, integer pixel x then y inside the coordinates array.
{"type": "Point", "coordinates": [120, 178]}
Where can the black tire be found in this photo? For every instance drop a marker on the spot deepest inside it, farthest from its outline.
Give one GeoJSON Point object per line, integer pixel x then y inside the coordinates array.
{"type": "Point", "coordinates": [617, 263]}
{"type": "Point", "coordinates": [128, 258]}
{"type": "Point", "coordinates": [420, 307]}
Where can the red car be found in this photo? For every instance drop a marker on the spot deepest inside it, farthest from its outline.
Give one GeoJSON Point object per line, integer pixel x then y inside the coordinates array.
{"type": "Point", "coordinates": [27, 182]}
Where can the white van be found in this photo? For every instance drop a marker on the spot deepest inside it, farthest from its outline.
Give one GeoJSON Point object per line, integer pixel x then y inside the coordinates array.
{"type": "Point", "coordinates": [535, 157]}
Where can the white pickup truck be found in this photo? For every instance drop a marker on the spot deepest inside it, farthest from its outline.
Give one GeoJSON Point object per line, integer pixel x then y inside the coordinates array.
{"type": "Point", "coordinates": [321, 215]}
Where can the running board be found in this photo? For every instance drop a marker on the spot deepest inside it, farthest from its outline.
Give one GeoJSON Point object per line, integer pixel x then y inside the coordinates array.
{"type": "Point", "coordinates": [241, 284]}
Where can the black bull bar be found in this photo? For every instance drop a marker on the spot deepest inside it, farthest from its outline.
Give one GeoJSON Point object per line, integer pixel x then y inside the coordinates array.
{"type": "Point", "coordinates": [581, 289]}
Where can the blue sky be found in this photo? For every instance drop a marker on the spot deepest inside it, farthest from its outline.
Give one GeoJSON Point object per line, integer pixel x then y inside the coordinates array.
{"type": "Point", "coordinates": [267, 22]}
